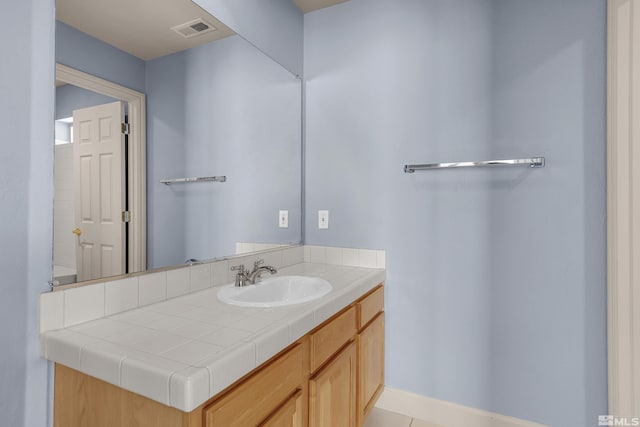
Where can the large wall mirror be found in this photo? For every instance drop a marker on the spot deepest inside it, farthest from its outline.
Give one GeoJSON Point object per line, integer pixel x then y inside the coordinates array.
{"type": "Point", "coordinates": [145, 101]}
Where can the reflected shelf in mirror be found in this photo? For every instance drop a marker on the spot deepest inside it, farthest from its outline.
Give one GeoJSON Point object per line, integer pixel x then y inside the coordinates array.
{"type": "Point", "coordinates": [221, 105]}
{"type": "Point", "coordinates": [194, 179]}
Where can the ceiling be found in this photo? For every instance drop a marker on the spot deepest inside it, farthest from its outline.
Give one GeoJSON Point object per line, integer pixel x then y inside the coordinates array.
{"type": "Point", "coordinates": [311, 5]}
{"type": "Point", "coordinates": [143, 27]}
{"type": "Point", "coordinates": [139, 27]}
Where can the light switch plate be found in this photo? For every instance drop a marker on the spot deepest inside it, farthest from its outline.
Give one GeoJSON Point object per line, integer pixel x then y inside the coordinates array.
{"type": "Point", "coordinates": [323, 220]}
{"type": "Point", "coordinates": [283, 220]}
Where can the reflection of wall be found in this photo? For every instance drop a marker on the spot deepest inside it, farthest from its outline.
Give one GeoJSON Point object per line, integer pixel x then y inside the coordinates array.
{"type": "Point", "coordinates": [69, 98]}
{"type": "Point", "coordinates": [85, 53]}
{"type": "Point", "coordinates": [274, 26]}
{"type": "Point", "coordinates": [221, 109]}
{"type": "Point", "coordinates": [496, 295]}
{"type": "Point", "coordinates": [64, 243]}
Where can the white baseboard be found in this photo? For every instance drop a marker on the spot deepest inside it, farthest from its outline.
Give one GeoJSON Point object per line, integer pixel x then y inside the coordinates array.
{"type": "Point", "coordinates": [444, 413]}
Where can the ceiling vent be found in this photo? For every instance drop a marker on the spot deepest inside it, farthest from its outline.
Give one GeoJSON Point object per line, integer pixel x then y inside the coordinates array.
{"type": "Point", "coordinates": [193, 28]}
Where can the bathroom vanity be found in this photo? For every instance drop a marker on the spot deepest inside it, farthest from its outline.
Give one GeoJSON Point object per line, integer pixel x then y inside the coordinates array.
{"type": "Point", "coordinates": [328, 371]}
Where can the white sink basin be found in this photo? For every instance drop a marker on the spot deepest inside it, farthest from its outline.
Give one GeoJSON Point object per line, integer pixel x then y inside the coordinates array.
{"type": "Point", "coordinates": [275, 291]}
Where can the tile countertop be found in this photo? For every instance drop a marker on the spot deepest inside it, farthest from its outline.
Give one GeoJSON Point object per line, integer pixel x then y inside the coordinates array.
{"type": "Point", "coordinates": [183, 351]}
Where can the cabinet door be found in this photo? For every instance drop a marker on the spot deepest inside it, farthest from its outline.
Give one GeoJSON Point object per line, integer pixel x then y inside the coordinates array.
{"type": "Point", "coordinates": [370, 365]}
{"type": "Point", "coordinates": [254, 399]}
{"type": "Point", "coordinates": [332, 392]}
{"type": "Point", "coordinates": [288, 415]}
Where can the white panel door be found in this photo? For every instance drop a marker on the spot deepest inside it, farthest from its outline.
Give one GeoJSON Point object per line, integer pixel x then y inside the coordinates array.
{"type": "Point", "coordinates": [99, 196]}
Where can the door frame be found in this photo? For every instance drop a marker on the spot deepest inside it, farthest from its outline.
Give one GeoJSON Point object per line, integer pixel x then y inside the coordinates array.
{"type": "Point", "coordinates": [137, 186]}
{"type": "Point", "coordinates": [623, 207]}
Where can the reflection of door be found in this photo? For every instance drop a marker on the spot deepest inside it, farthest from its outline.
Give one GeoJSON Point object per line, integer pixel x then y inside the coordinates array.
{"type": "Point", "coordinates": [99, 197]}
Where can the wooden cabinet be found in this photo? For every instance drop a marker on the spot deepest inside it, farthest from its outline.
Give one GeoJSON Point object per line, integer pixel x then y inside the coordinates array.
{"type": "Point", "coordinates": [332, 392]}
{"type": "Point", "coordinates": [254, 400]}
{"type": "Point", "coordinates": [369, 306]}
{"type": "Point", "coordinates": [331, 377]}
{"type": "Point", "coordinates": [289, 414]}
{"type": "Point", "coordinates": [370, 365]}
{"type": "Point", "coordinates": [329, 338]}
{"type": "Point", "coordinates": [82, 401]}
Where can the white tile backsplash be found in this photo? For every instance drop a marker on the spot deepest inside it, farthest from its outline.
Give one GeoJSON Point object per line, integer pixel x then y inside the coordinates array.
{"type": "Point", "coordinates": [318, 254]}
{"type": "Point", "coordinates": [367, 258]}
{"type": "Point", "coordinates": [220, 274]}
{"type": "Point", "coordinates": [350, 257]}
{"type": "Point", "coordinates": [200, 277]}
{"type": "Point", "coordinates": [381, 259]}
{"type": "Point", "coordinates": [83, 304]}
{"type": "Point", "coordinates": [120, 295]}
{"type": "Point", "coordinates": [152, 288]}
{"type": "Point", "coordinates": [273, 258]}
{"type": "Point", "coordinates": [177, 282]}
{"type": "Point", "coordinates": [51, 311]}
{"type": "Point", "coordinates": [291, 256]}
{"type": "Point", "coordinates": [334, 256]}
{"type": "Point", "coordinates": [77, 305]}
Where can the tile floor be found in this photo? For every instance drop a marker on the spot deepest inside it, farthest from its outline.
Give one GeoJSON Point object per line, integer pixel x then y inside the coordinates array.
{"type": "Point", "coordinates": [382, 418]}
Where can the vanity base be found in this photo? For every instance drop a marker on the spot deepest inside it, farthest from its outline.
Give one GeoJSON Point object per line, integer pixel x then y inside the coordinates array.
{"type": "Point", "coordinates": [331, 376]}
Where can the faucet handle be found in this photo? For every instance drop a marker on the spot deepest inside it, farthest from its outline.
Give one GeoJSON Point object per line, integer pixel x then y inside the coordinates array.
{"type": "Point", "coordinates": [258, 263]}
{"type": "Point", "coordinates": [238, 268]}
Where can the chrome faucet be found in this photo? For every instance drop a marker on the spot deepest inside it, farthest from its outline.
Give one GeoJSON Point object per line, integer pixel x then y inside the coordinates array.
{"type": "Point", "coordinates": [255, 275]}
{"type": "Point", "coordinates": [244, 277]}
{"type": "Point", "coordinates": [241, 276]}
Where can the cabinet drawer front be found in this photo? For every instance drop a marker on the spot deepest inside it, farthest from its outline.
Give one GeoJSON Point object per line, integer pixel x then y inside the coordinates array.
{"type": "Point", "coordinates": [370, 306]}
{"type": "Point", "coordinates": [288, 415]}
{"type": "Point", "coordinates": [253, 400]}
{"type": "Point", "coordinates": [330, 338]}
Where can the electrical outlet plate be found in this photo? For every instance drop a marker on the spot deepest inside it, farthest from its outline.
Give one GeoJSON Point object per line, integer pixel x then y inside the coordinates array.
{"type": "Point", "coordinates": [323, 220]}
{"type": "Point", "coordinates": [283, 219]}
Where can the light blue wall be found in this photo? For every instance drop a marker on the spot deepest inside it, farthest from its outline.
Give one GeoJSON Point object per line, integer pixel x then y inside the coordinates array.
{"type": "Point", "coordinates": [465, 305]}
{"type": "Point", "coordinates": [86, 53]}
{"type": "Point", "coordinates": [274, 26]}
{"type": "Point", "coordinates": [69, 98]}
{"type": "Point", "coordinates": [26, 204]}
{"type": "Point", "coordinates": [496, 278]}
{"type": "Point", "coordinates": [221, 109]}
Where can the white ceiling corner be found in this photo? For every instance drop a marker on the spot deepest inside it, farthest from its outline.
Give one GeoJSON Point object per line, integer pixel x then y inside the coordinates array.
{"type": "Point", "coordinates": [139, 27]}
{"type": "Point", "coordinates": [311, 5]}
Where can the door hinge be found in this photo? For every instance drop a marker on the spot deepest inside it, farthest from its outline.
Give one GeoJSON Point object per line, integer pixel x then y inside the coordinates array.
{"type": "Point", "coordinates": [126, 216]}
{"type": "Point", "coordinates": [125, 128]}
